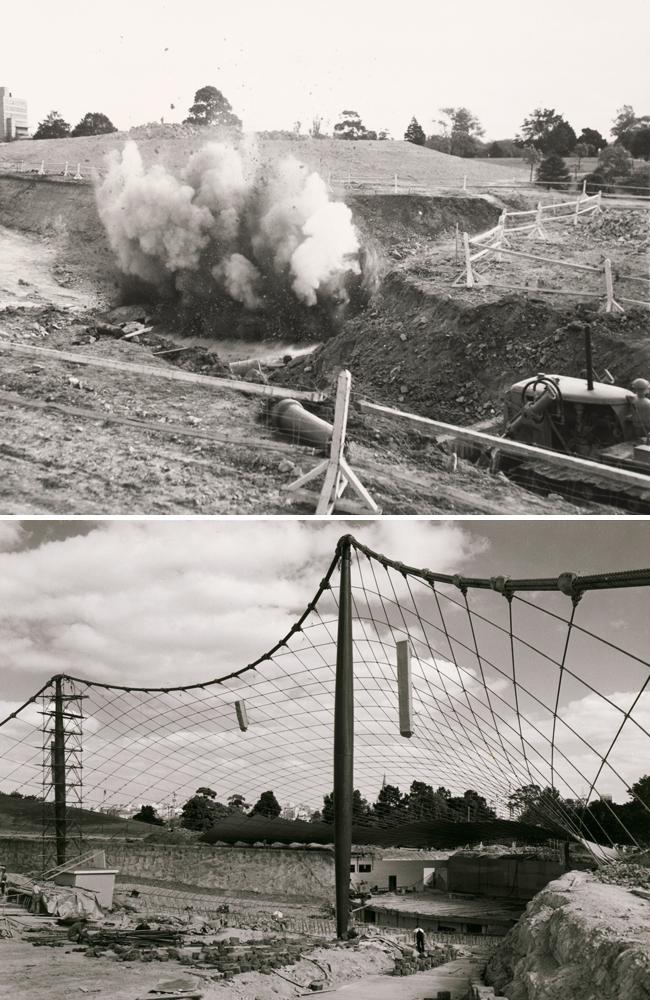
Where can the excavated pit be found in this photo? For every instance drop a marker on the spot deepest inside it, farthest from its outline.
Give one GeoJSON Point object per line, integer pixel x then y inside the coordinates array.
{"type": "Point", "coordinates": [444, 358]}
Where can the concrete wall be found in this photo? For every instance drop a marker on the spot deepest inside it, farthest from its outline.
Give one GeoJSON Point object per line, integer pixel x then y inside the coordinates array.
{"type": "Point", "coordinates": [443, 925]}
{"type": "Point", "coordinates": [288, 872]}
{"type": "Point", "coordinates": [408, 872]}
{"type": "Point", "coordinates": [516, 878]}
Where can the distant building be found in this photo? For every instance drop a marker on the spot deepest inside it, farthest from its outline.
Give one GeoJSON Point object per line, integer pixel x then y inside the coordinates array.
{"type": "Point", "coordinates": [13, 116]}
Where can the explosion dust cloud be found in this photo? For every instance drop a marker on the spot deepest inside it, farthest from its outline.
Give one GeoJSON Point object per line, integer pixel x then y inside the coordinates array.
{"type": "Point", "coordinates": [230, 226]}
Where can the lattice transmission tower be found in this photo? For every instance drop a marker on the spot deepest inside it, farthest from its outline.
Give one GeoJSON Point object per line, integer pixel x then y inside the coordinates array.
{"type": "Point", "coordinates": [62, 729]}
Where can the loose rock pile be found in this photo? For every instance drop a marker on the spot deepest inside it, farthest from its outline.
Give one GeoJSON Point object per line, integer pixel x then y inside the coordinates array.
{"type": "Point", "coordinates": [408, 965]}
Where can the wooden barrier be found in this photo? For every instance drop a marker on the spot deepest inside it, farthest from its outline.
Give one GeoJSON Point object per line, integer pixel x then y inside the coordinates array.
{"type": "Point", "coordinates": [622, 477]}
{"type": "Point", "coordinates": [174, 375]}
{"type": "Point", "coordinates": [337, 473]}
{"type": "Point", "coordinates": [498, 244]}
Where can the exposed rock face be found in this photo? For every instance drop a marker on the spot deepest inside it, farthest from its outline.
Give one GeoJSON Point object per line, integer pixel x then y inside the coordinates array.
{"type": "Point", "coordinates": [578, 940]}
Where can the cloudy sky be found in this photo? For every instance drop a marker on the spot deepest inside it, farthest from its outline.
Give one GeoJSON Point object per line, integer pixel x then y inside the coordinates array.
{"type": "Point", "coordinates": [286, 61]}
{"type": "Point", "coordinates": [171, 603]}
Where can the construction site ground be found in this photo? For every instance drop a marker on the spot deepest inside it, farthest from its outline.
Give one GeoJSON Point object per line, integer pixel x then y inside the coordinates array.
{"type": "Point", "coordinates": [359, 969]}
{"type": "Point", "coordinates": [87, 440]}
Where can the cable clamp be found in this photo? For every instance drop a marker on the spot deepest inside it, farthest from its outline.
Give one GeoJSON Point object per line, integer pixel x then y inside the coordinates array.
{"type": "Point", "coordinates": [567, 583]}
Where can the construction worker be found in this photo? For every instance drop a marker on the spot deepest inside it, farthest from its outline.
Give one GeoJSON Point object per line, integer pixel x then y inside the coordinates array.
{"type": "Point", "coordinates": [419, 940]}
{"type": "Point", "coordinates": [641, 404]}
{"type": "Point", "coordinates": [36, 899]}
{"type": "Point", "coordinates": [3, 880]}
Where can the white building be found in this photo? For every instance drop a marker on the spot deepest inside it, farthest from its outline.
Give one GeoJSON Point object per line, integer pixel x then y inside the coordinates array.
{"type": "Point", "coordinates": [13, 116]}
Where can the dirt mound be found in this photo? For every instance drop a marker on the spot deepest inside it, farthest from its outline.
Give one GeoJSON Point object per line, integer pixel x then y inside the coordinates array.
{"type": "Point", "coordinates": [401, 222]}
{"type": "Point", "coordinates": [448, 360]}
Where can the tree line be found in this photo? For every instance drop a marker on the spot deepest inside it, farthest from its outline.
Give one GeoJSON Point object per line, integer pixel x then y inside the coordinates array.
{"type": "Point", "coordinates": [601, 821]}
{"type": "Point", "coordinates": [202, 810]}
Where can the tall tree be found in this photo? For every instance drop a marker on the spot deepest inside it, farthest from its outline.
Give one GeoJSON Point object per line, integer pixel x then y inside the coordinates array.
{"type": "Point", "coordinates": [592, 138]}
{"type": "Point", "coordinates": [561, 139]}
{"type": "Point", "coordinates": [237, 803]}
{"type": "Point", "coordinates": [212, 108]}
{"type": "Point", "coordinates": [52, 127]}
{"type": "Point", "coordinates": [415, 133]}
{"type": "Point", "coordinates": [624, 121]}
{"type": "Point", "coordinates": [267, 805]}
{"type": "Point", "coordinates": [638, 142]}
{"type": "Point", "coordinates": [202, 811]}
{"type": "Point", "coordinates": [532, 156]}
{"type": "Point", "coordinates": [537, 127]}
{"type": "Point", "coordinates": [463, 130]}
{"type": "Point", "coordinates": [389, 806]}
{"type": "Point", "coordinates": [94, 123]}
{"type": "Point", "coordinates": [350, 126]}
{"type": "Point", "coordinates": [148, 814]}
{"type": "Point", "coordinates": [614, 161]}
{"type": "Point", "coordinates": [581, 150]}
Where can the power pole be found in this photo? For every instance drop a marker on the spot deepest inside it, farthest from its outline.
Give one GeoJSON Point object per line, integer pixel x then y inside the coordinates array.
{"type": "Point", "coordinates": [62, 713]}
{"type": "Point", "coordinates": [59, 775]}
{"type": "Point", "coordinates": [343, 745]}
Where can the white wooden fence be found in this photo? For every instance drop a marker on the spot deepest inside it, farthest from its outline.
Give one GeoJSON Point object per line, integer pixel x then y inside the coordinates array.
{"type": "Point", "coordinates": [495, 241]}
{"type": "Point", "coordinates": [41, 168]}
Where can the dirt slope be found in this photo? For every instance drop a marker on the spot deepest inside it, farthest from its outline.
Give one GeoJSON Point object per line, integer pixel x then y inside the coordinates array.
{"type": "Point", "coordinates": [451, 361]}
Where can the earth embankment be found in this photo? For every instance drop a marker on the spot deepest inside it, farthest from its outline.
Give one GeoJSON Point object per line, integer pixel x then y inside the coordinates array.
{"type": "Point", "coordinates": [578, 939]}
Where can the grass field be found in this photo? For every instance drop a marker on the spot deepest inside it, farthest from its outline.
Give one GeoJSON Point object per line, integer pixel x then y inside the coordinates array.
{"type": "Point", "coordinates": [335, 158]}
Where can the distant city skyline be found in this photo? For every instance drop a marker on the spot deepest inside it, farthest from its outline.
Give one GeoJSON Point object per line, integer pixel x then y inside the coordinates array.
{"type": "Point", "coordinates": [287, 62]}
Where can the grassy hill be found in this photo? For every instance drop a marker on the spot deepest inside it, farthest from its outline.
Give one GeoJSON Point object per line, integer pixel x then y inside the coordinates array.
{"type": "Point", "coordinates": [363, 160]}
{"type": "Point", "coordinates": [24, 818]}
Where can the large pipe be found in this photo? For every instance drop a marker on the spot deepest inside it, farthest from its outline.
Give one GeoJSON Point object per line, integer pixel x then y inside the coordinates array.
{"type": "Point", "coordinates": [343, 746]}
{"type": "Point", "coordinates": [304, 427]}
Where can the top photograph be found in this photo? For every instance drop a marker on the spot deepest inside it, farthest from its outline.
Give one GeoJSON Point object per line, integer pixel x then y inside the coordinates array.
{"type": "Point", "coordinates": [269, 259]}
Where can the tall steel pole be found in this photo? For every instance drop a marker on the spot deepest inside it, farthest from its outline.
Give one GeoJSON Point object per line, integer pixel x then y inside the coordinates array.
{"type": "Point", "coordinates": [343, 745]}
{"type": "Point", "coordinates": [58, 773]}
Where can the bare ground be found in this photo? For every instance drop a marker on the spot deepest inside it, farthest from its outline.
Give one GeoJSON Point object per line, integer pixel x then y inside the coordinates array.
{"type": "Point", "coordinates": [90, 441]}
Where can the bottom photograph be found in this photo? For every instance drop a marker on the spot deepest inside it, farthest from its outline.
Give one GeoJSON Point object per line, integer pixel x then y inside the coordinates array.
{"type": "Point", "coordinates": [374, 759]}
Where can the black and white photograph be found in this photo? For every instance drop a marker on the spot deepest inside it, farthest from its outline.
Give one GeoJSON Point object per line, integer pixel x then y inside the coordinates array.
{"type": "Point", "coordinates": [350, 256]}
{"type": "Point", "coordinates": [324, 501]}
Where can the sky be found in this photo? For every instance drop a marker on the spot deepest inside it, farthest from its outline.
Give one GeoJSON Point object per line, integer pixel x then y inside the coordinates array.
{"type": "Point", "coordinates": [165, 603]}
{"type": "Point", "coordinates": [287, 61]}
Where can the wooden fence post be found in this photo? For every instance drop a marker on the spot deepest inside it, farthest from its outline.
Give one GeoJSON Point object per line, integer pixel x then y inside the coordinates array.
{"type": "Point", "coordinates": [611, 305]}
{"type": "Point", "coordinates": [338, 474]}
{"type": "Point", "coordinates": [78, 176]}
{"type": "Point", "coordinates": [575, 218]}
{"type": "Point", "coordinates": [65, 169]}
{"type": "Point", "coordinates": [468, 262]}
{"type": "Point", "coordinates": [538, 229]}
{"type": "Point", "coordinates": [584, 187]}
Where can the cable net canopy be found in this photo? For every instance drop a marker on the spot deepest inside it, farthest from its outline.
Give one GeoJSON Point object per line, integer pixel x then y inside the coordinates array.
{"type": "Point", "coordinates": [514, 683]}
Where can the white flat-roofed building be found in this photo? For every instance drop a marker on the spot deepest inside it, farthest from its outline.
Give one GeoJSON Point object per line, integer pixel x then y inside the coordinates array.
{"type": "Point", "coordinates": [13, 116]}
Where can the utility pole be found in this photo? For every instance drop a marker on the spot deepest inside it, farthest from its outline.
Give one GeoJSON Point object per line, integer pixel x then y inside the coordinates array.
{"type": "Point", "coordinates": [58, 774]}
{"type": "Point", "coordinates": [343, 745]}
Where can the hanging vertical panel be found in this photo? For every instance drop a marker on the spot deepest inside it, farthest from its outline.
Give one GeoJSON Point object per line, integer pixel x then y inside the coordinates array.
{"type": "Point", "coordinates": [404, 689]}
{"type": "Point", "coordinates": [242, 717]}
